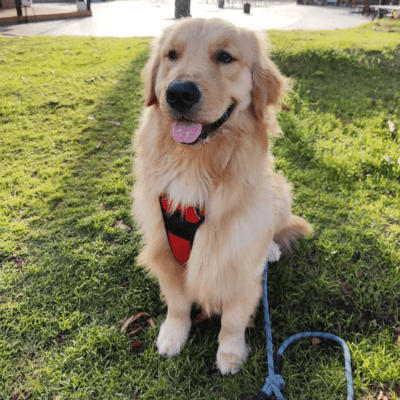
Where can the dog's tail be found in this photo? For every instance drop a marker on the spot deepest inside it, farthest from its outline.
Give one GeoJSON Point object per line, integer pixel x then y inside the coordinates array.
{"type": "Point", "coordinates": [287, 236]}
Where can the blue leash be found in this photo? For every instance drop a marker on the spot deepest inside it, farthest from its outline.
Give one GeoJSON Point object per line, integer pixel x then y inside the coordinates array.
{"type": "Point", "coordinates": [274, 382]}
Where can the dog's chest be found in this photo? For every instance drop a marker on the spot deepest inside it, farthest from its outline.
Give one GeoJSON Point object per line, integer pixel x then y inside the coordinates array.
{"type": "Point", "coordinates": [185, 186]}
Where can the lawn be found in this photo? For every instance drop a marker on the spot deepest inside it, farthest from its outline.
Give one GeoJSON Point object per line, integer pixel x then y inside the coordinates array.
{"type": "Point", "coordinates": [68, 279]}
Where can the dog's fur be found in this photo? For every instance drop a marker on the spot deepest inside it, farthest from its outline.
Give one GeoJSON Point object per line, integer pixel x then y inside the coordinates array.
{"type": "Point", "coordinates": [230, 175]}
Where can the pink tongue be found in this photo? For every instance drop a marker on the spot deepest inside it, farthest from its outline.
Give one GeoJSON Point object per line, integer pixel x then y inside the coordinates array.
{"type": "Point", "coordinates": [186, 133]}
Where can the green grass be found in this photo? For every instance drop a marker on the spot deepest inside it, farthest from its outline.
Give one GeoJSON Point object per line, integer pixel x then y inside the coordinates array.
{"type": "Point", "coordinates": [68, 275]}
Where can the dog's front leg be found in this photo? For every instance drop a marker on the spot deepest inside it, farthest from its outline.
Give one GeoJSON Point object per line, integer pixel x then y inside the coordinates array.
{"type": "Point", "coordinates": [158, 258]}
{"type": "Point", "coordinates": [175, 329]}
{"type": "Point", "coordinates": [232, 349]}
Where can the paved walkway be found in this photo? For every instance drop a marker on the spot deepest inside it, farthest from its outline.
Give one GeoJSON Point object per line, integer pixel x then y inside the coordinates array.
{"type": "Point", "coordinates": [140, 18]}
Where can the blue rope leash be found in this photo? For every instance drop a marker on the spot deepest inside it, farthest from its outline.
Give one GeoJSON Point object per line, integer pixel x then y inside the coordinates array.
{"type": "Point", "coordinates": [274, 382]}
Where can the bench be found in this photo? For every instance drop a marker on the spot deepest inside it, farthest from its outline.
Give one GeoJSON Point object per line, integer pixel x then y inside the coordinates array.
{"type": "Point", "coordinates": [381, 11]}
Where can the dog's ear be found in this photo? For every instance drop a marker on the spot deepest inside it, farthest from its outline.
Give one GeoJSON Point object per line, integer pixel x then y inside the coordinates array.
{"type": "Point", "coordinates": [268, 83]}
{"type": "Point", "coordinates": [149, 74]}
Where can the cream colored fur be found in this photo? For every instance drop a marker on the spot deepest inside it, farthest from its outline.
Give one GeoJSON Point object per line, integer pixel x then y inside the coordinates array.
{"type": "Point", "coordinates": [230, 176]}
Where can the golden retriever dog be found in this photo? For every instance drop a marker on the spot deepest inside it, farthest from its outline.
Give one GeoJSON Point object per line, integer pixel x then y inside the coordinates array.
{"type": "Point", "coordinates": [206, 198]}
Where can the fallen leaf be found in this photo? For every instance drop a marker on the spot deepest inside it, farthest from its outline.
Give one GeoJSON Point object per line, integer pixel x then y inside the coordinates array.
{"type": "Point", "coordinates": [18, 261]}
{"type": "Point", "coordinates": [90, 80]}
{"type": "Point", "coordinates": [392, 127]}
{"type": "Point", "coordinates": [135, 330]}
{"type": "Point", "coordinates": [315, 341]}
{"type": "Point", "coordinates": [133, 318]}
{"type": "Point", "coordinates": [113, 123]}
{"type": "Point", "coordinates": [382, 396]}
{"type": "Point", "coordinates": [7, 120]}
{"type": "Point", "coordinates": [100, 144]}
{"type": "Point", "coordinates": [346, 122]}
{"type": "Point", "coordinates": [90, 118]}
{"type": "Point", "coordinates": [285, 107]}
{"type": "Point", "coordinates": [121, 225]}
{"type": "Point", "coordinates": [398, 161]}
{"type": "Point", "coordinates": [137, 345]}
{"type": "Point", "coordinates": [200, 318]}
{"type": "Point", "coordinates": [397, 330]}
{"type": "Point", "coordinates": [151, 322]}
{"type": "Point", "coordinates": [15, 193]}
{"type": "Point", "coordinates": [318, 73]}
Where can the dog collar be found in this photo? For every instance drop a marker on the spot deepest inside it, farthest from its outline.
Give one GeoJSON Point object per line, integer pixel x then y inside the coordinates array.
{"type": "Point", "coordinates": [181, 227]}
{"type": "Point", "coordinates": [207, 129]}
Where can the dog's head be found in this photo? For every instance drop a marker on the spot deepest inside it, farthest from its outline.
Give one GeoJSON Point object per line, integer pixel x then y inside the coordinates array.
{"type": "Point", "coordinates": [203, 72]}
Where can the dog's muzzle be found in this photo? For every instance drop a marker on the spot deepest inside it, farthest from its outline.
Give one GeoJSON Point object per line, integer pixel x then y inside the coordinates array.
{"type": "Point", "coordinates": [181, 96]}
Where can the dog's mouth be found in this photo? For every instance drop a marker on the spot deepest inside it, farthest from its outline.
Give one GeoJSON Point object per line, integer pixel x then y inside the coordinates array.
{"type": "Point", "coordinates": [187, 132]}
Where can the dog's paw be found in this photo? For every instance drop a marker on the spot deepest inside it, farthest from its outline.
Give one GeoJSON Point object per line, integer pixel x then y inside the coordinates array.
{"type": "Point", "coordinates": [173, 335]}
{"type": "Point", "coordinates": [230, 363]}
{"type": "Point", "coordinates": [273, 252]}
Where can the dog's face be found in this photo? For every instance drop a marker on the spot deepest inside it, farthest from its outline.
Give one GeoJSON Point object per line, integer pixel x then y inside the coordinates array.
{"type": "Point", "coordinates": [201, 72]}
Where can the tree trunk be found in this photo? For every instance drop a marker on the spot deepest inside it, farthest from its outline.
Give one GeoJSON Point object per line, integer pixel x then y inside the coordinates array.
{"type": "Point", "coordinates": [182, 9]}
{"type": "Point", "coordinates": [19, 8]}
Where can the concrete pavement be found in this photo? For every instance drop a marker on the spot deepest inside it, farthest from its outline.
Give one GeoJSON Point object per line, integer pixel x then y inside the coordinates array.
{"type": "Point", "coordinates": [140, 18]}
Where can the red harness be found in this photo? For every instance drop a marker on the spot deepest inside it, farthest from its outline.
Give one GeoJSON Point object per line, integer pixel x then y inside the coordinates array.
{"type": "Point", "coordinates": [181, 227]}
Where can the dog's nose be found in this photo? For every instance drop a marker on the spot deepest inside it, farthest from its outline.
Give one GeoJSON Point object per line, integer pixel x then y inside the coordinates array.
{"type": "Point", "coordinates": [182, 95]}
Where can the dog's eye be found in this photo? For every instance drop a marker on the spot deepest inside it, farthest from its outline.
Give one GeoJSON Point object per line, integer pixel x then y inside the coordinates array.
{"type": "Point", "coordinates": [172, 55]}
{"type": "Point", "coordinates": [224, 58]}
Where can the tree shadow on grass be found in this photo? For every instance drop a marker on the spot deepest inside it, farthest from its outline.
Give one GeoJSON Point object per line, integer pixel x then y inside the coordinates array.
{"type": "Point", "coordinates": [81, 267]}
